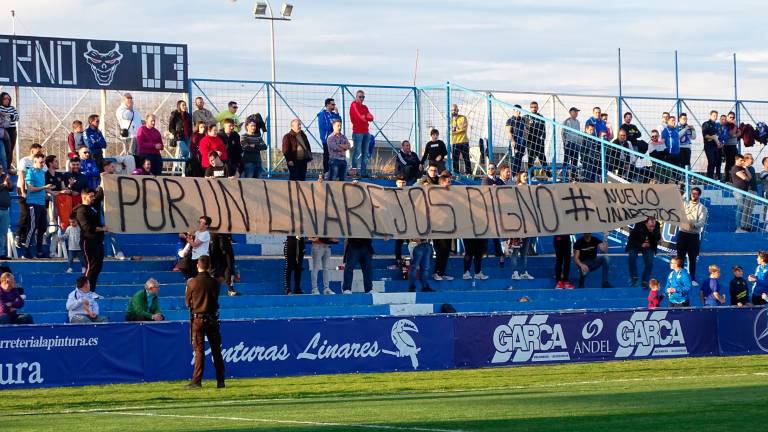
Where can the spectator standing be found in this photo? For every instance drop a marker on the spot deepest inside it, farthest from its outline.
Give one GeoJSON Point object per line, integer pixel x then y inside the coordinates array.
{"type": "Point", "coordinates": [608, 126]}
{"type": "Point", "coordinates": [678, 284]}
{"type": "Point", "coordinates": [13, 117]}
{"type": "Point", "coordinates": [535, 135]}
{"type": "Point", "coordinates": [654, 296]}
{"type": "Point", "coordinates": [520, 247]}
{"type": "Point", "coordinates": [297, 151]}
{"type": "Point", "coordinates": [88, 168]}
{"type": "Point", "coordinates": [24, 164]}
{"type": "Point", "coordinates": [664, 121]}
{"type": "Point", "coordinates": [91, 235]}
{"type": "Point", "coordinates": [400, 183]}
{"type": "Point", "coordinates": [710, 289]}
{"type": "Point", "coordinates": [202, 298]}
{"type": "Point", "coordinates": [145, 305]}
{"type": "Point", "coordinates": [516, 133]}
{"type": "Point", "coordinates": [435, 151]}
{"type": "Point", "coordinates": [618, 161]}
{"type": "Point", "coordinates": [129, 121]}
{"type": "Point", "coordinates": [36, 200]}
{"type": "Point", "coordinates": [293, 252]}
{"type": "Point", "coordinates": [358, 252]}
{"type": "Point", "coordinates": [740, 178]}
{"type": "Point", "coordinates": [223, 261]}
{"type": "Point", "coordinates": [180, 125]}
{"type": "Point", "coordinates": [491, 179]}
{"type": "Point", "coordinates": [442, 246]}
{"type": "Point", "coordinates": [149, 144]}
{"type": "Point", "coordinates": [587, 259]}
{"type": "Point", "coordinates": [71, 239]}
{"type": "Point", "coordinates": [82, 305]}
{"type": "Point", "coordinates": [459, 140]}
{"type": "Point", "coordinates": [474, 250]}
{"type": "Point", "coordinates": [710, 130]}
{"type": "Point", "coordinates": [75, 139]}
{"type": "Point", "coordinates": [686, 134]}
{"type": "Point", "coordinates": [337, 145]}
{"type": "Point", "coordinates": [597, 122]}
{"type": "Point", "coordinates": [200, 243]}
{"type": "Point", "coordinates": [253, 144]}
{"type": "Point", "coordinates": [229, 114]}
{"type": "Point", "coordinates": [572, 140]}
{"type": "Point", "coordinates": [759, 280]}
{"type": "Point", "coordinates": [11, 301]}
{"type": "Point", "coordinates": [671, 137]}
{"type": "Point", "coordinates": [643, 240]}
{"type": "Point", "coordinates": [656, 148]}
{"type": "Point", "coordinates": [231, 140]}
{"type": "Point", "coordinates": [202, 114]}
{"type": "Point", "coordinates": [633, 133]}
{"type": "Point", "coordinates": [689, 234]}
{"type": "Point", "coordinates": [562, 246]}
{"type": "Point", "coordinates": [195, 163]}
{"type": "Point", "coordinates": [325, 119]}
{"type": "Point", "coordinates": [407, 163]}
{"type": "Point", "coordinates": [94, 140]}
{"type": "Point", "coordinates": [731, 143]}
{"type": "Point", "coordinates": [5, 208]}
{"type": "Point", "coordinates": [211, 142]}
{"type": "Point", "coordinates": [360, 117]}
{"type": "Point", "coordinates": [321, 257]}
{"type": "Point", "coordinates": [421, 255]}
{"type": "Point", "coordinates": [738, 289]}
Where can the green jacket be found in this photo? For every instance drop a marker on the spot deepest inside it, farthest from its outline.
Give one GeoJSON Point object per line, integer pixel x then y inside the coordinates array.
{"type": "Point", "coordinates": [139, 310]}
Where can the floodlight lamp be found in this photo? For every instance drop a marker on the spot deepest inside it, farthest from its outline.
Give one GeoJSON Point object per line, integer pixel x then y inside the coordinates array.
{"type": "Point", "coordinates": [286, 9]}
{"type": "Point", "coordinates": [260, 9]}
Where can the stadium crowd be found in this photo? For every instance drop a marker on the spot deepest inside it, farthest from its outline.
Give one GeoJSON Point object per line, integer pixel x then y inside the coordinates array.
{"type": "Point", "coordinates": [223, 146]}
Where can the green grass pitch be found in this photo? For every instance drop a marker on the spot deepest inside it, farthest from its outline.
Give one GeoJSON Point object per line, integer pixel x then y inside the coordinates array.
{"type": "Point", "coordinates": [700, 394]}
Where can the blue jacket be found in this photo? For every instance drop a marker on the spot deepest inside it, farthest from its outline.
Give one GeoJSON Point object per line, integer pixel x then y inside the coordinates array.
{"type": "Point", "coordinates": [761, 285]}
{"type": "Point", "coordinates": [325, 120]}
{"type": "Point", "coordinates": [94, 139]}
{"type": "Point", "coordinates": [709, 288]}
{"type": "Point", "coordinates": [89, 169]}
{"type": "Point", "coordinates": [671, 140]}
{"type": "Point", "coordinates": [680, 280]}
{"type": "Point", "coordinates": [599, 125]}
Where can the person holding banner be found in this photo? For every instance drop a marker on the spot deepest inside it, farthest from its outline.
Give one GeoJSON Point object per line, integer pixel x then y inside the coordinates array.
{"type": "Point", "coordinates": [293, 252]}
{"type": "Point", "coordinates": [297, 151]}
{"type": "Point", "coordinates": [442, 246]}
{"type": "Point", "coordinates": [358, 252]}
{"type": "Point", "coordinates": [643, 240]}
{"type": "Point", "coordinates": [678, 284]}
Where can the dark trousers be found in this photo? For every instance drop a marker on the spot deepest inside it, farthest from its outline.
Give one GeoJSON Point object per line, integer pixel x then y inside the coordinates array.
{"type": "Point", "coordinates": [399, 249]}
{"type": "Point", "coordinates": [293, 251]}
{"type": "Point", "coordinates": [648, 254]}
{"type": "Point", "coordinates": [474, 249]}
{"type": "Point", "coordinates": [358, 256]}
{"type": "Point", "coordinates": [23, 227]}
{"type": "Point", "coordinates": [601, 262]}
{"type": "Point", "coordinates": [536, 151]}
{"type": "Point", "coordinates": [156, 160]}
{"type": "Point", "coordinates": [685, 157]}
{"type": "Point", "coordinates": [497, 250]}
{"type": "Point", "coordinates": [38, 217]}
{"type": "Point", "coordinates": [18, 319]}
{"type": "Point", "coordinates": [463, 151]}
{"type": "Point", "coordinates": [298, 171]}
{"type": "Point", "coordinates": [442, 252]}
{"type": "Point", "coordinates": [10, 145]}
{"type": "Point", "coordinates": [729, 152]}
{"type": "Point", "coordinates": [203, 327]}
{"type": "Point", "coordinates": [93, 250]}
{"type": "Point", "coordinates": [326, 156]}
{"type": "Point", "coordinates": [714, 159]}
{"type": "Point", "coordinates": [689, 245]}
{"type": "Point", "coordinates": [562, 246]}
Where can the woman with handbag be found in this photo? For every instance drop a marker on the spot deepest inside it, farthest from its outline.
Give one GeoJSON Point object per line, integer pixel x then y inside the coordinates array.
{"type": "Point", "coordinates": [149, 144]}
{"type": "Point", "coordinates": [180, 125]}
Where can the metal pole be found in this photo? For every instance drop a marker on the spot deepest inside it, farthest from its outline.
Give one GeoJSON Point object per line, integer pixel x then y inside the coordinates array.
{"type": "Point", "coordinates": [489, 142]}
{"type": "Point", "coordinates": [272, 57]}
{"type": "Point", "coordinates": [270, 149]}
{"type": "Point", "coordinates": [602, 161]}
{"type": "Point", "coordinates": [554, 138]}
{"type": "Point", "coordinates": [16, 95]}
{"type": "Point", "coordinates": [677, 86]}
{"type": "Point", "coordinates": [687, 181]}
{"type": "Point", "coordinates": [103, 111]}
{"type": "Point", "coordinates": [736, 96]}
{"type": "Point", "coordinates": [417, 120]}
{"type": "Point", "coordinates": [449, 163]}
{"type": "Point", "coordinates": [620, 102]}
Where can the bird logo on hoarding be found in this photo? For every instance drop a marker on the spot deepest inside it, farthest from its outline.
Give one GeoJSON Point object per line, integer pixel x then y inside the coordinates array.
{"type": "Point", "coordinates": [406, 346]}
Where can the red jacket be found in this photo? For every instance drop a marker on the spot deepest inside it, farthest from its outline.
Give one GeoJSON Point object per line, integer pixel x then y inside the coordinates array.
{"type": "Point", "coordinates": [360, 117]}
{"type": "Point", "coordinates": [209, 144]}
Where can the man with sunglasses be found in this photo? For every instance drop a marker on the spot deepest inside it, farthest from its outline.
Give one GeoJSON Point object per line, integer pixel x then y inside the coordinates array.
{"type": "Point", "coordinates": [230, 113]}
{"type": "Point", "coordinates": [129, 121]}
{"type": "Point", "coordinates": [731, 144]}
{"type": "Point", "coordinates": [360, 117]}
{"type": "Point", "coordinates": [88, 167]}
{"type": "Point", "coordinates": [325, 119]}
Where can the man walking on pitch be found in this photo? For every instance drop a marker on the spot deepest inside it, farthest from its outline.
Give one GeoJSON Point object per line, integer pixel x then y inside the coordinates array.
{"type": "Point", "coordinates": [202, 299]}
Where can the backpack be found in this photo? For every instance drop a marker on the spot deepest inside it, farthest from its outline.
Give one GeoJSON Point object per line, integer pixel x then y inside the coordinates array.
{"type": "Point", "coordinates": [762, 133]}
{"type": "Point", "coordinates": [747, 134]}
{"type": "Point", "coordinates": [641, 146]}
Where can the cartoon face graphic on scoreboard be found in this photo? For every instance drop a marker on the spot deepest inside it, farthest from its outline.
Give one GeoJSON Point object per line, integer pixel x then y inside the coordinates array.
{"type": "Point", "coordinates": [102, 64]}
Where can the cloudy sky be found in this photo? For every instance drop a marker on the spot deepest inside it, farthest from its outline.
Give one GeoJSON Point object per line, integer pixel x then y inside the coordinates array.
{"type": "Point", "coordinates": [513, 45]}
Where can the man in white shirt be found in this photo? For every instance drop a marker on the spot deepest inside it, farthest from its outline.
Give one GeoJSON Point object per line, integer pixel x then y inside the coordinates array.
{"type": "Point", "coordinates": [22, 167]}
{"type": "Point", "coordinates": [81, 304]}
{"type": "Point", "coordinates": [199, 242]}
{"type": "Point", "coordinates": [128, 122]}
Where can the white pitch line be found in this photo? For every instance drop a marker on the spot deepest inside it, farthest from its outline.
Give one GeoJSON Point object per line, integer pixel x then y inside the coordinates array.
{"type": "Point", "coordinates": [292, 422]}
{"type": "Point", "coordinates": [384, 396]}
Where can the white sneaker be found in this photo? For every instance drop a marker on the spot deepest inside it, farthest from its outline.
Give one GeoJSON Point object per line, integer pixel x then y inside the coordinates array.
{"type": "Point", "coordinates": [694, 283]}
{"type": "Point", "coordinates": [328, 291]}
{"type": "Point", "coordinates": [82, 270]}
{"type": "Point", "coordinates": [510, 288]}
{"type": "Point", "coordinates": [437, 277]}
{"type": "Point", "coordinates": [466, 276]}
{"type": "Point", "coordinates": [447, 278]}
{"type": "Point", "coordinates": [515, 276]}
{"type": "Point", "coordinates": [481, 276]}
{"type": "Point", "coordinates": [347, 292]}
{"type": "Point", "coordinates": [315, 291]}
{"type": "Point", "coordinates": [526, 276]}
{"type": "Point", "coordinates": [69, 270]}
{"type": "Point", "coordinates": [120, 256]}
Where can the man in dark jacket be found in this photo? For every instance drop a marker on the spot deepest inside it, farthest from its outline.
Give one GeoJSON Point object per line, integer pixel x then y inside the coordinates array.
{"type": "Point", "coordinates": [202, 299]}
{"type": "Point", "coordinates": [643, 240]}
{"type": "Point", "coordinates": [91, 235]}
{"type": "Point", "coordinates": [407, 163]}
{"type": "Point", "coordinates": [297, 151]}
{"type": "Point", "coordinates": [231, 141]}
{"type": "Point", "coordinates": [144, 305]}
{"type": "Point", "coordinates": [358, 252]}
